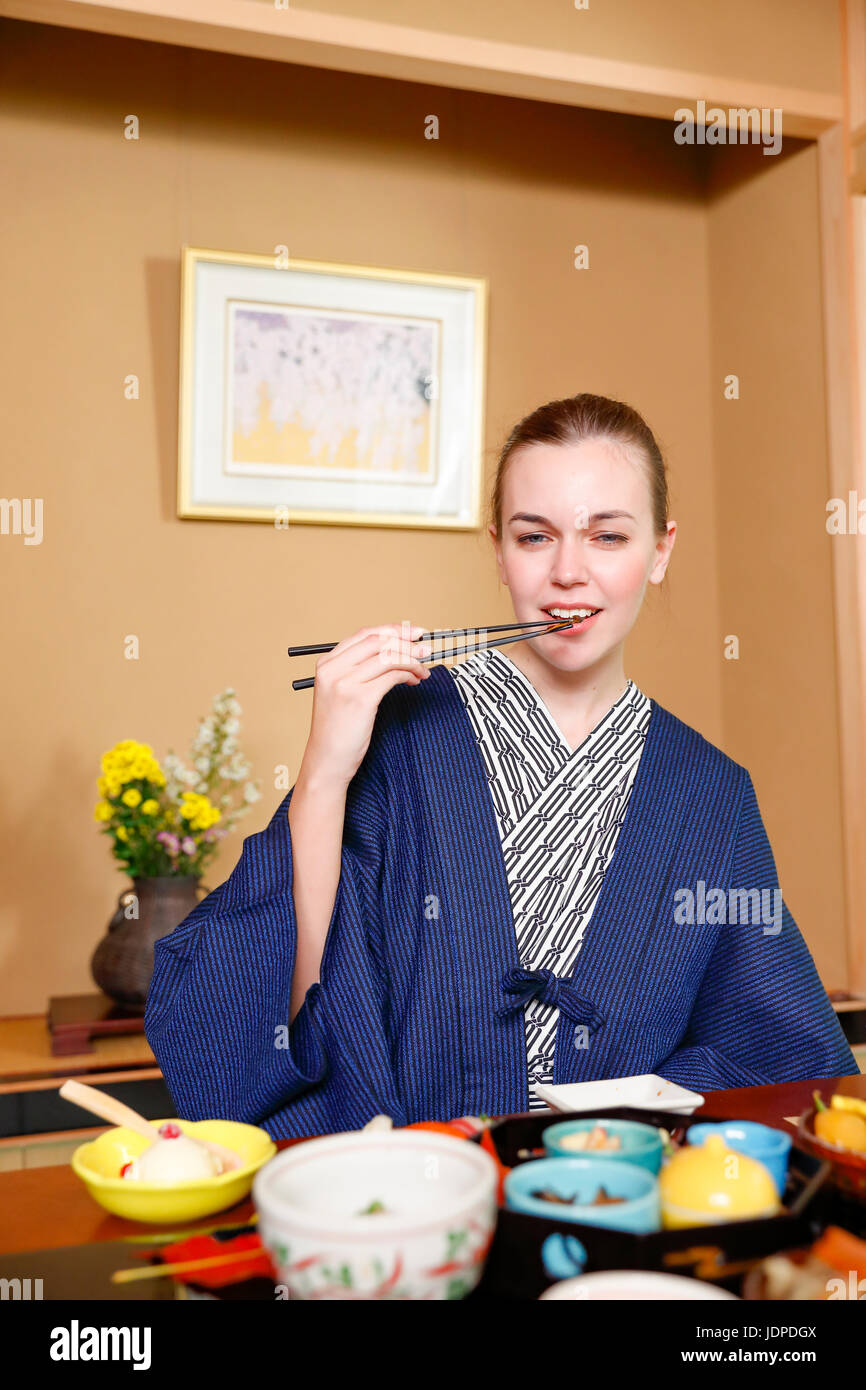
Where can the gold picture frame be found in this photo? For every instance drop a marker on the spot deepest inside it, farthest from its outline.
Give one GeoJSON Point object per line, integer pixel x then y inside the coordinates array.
{"type": "Point", "coordinates": [214, 316]}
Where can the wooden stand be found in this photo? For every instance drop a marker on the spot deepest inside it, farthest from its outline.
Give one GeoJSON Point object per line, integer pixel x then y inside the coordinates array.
{"type": "Point", "coordinates": [73, 1019]}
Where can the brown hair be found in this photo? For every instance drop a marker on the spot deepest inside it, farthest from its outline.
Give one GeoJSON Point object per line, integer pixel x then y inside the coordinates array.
{"type": "Point", "coordinates": [578, 418]}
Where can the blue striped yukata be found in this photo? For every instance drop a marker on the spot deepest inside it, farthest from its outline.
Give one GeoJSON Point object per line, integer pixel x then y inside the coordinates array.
{"type": "Point", "coordinates": [419, 1009]}
{"type": "Point", "coordinates": [559, 813]}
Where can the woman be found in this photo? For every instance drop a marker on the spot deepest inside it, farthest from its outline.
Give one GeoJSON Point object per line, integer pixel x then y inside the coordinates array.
{"type": "Point", "coordinates": [518, 869]}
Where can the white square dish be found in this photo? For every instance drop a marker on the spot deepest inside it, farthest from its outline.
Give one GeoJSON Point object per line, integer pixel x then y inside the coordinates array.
{"type": "Point", "coordinates": [648, 1092]}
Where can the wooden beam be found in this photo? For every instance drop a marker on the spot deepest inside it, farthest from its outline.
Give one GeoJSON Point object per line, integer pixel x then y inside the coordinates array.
{"type": "Point", "coordinates": [843, 269]}
{"type": "Point", "coordinates": [442, 59]}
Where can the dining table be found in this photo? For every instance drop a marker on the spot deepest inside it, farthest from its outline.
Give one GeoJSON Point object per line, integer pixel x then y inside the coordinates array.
{"type": "Point", "coordinates": [46, 1208]}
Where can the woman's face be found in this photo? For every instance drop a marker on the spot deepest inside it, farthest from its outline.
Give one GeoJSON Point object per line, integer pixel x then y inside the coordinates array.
{"type": "Point", "coordinates": [577, 533]}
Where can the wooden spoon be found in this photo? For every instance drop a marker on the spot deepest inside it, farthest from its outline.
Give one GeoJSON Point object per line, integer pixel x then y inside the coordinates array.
{"type": "Point", "coordinates": [107, 1108]}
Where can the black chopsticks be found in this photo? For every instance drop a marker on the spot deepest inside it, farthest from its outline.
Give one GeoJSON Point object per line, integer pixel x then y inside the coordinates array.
{"type": "Point", "coordinates": [441, 634]}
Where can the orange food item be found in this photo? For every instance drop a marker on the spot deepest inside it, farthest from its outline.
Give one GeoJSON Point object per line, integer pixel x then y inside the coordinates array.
{"type": "Point", "coordinates": [843, 1128]}
{"type": "Point", "coordinates": [441, 1126]}
{"type": "Point", "coordinates": [840, 1250]}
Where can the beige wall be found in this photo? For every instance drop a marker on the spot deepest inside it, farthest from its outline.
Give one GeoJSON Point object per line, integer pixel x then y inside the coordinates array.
{"type": "Point", "coordinates": [243, 155]}
{"type": "Point", "coordinates": [779, 698]}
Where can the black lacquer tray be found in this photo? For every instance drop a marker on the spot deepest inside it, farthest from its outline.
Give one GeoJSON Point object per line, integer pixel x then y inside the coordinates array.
{"type": "Point", "coordinates": [719, 1254]}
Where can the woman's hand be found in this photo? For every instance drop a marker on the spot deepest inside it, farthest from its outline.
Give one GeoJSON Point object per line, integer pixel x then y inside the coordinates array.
{"type": "Point", "coordinates": [350, 682]}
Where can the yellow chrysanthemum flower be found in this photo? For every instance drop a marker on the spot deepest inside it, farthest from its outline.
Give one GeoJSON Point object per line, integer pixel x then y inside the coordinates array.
{"type": "Point", "coordinates": [149, 807]}
{"type": "Point", "coordinates": [129, 761]}
{"type": "Point", "coordinates": [131, 797]}
{"type": "Point", "coordinates": [122, 833]}
{"type": "Point", "coordinates": [197, 809]}
{"type": "Point", "coordinates": [102, 811]}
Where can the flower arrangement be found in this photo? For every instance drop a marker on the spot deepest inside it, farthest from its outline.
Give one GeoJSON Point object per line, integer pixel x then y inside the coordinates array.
{"type": "Point", "coordinates": [168, 820]}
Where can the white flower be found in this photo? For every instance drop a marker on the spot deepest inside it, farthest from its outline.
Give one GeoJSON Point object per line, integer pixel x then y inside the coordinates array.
{"type": "Point", "coordinates": [226, 703]}
{"type": "Point", "coordinates": [203, 765]}
{"type": "Point", "coordinates": [232, 726]}
{"type": "Point", "coordinates": [235, 769]}
{"type": "Point", "coordinates": [188, 776]}
{"type": "Point", "coordinates": [251, 792]}
{"type": "Point", "coordinates": [205, 736]}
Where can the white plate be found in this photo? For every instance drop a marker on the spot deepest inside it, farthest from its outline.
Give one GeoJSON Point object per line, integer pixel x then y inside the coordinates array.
{"type": "Point", "coordinates": [635, 1285]}
{"type": "Point", "coordinates": [649, 1092]}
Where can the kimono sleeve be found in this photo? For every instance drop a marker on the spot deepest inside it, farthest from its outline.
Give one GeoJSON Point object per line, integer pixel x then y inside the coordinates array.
{"type": "Point", "coordinates": [761, 1014]}
{"type": "Point", "coordinates": [217, 1014]}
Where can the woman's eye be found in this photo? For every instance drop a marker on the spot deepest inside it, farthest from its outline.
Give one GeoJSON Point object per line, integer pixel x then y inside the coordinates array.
{"type": "Point", "coordinates": [609, 537]}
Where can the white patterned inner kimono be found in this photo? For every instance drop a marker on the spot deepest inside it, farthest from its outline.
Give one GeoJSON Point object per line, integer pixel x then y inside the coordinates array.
{"type": "Point", "coordinates": [559, 814]}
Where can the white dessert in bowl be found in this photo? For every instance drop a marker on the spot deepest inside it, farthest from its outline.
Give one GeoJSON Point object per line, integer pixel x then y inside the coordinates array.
{"type": "Point", "coordinates": [101, 1162]}
{"type": "Point", "coordinates": [174, 1157]}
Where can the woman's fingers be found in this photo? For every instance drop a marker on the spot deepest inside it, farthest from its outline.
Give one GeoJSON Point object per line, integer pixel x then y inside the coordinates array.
{"type": "Point", "coordinates": [387, 638]}
{"type": "Point", "coordinates": [379, 663]}
{"type": "Point", "coordinates": [350, 682]}
{"type": "Point", "coordinates": [380, 685]}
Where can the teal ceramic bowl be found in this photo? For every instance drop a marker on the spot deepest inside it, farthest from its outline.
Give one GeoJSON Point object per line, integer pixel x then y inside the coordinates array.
{"type": "Point", "coordinates": [642, 1145]}
{"type": "Point", "coordinates": [581, 1178]}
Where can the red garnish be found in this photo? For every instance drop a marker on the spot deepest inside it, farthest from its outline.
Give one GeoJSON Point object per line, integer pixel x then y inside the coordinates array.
{"type": "Point", "coordinates": [170, 1130]}
{"type": "Point", "coordinates": [258, 1266]}
{"type": "Point", "coordinates": [125, 1169]}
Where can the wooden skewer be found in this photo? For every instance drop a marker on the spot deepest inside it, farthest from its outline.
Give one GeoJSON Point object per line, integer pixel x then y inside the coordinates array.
{"type": "Point", "coordinates": [132, 1276]}
{"type": "Point", "coordinates": [116, 1113]}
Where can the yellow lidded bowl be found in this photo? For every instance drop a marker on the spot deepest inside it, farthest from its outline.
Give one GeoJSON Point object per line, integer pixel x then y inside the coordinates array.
{"type": "Point", "coordinates": [98, 1164]}
{"type": "Point", "coordinates": [710, 1182]}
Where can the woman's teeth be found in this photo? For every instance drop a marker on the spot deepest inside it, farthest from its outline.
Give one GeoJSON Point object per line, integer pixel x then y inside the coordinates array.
{"type": "Point", "coordinates": [578, 614]}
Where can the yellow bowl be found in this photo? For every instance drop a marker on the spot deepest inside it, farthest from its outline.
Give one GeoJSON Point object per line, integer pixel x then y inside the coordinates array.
{"type": "Point", "coordinates": [98, 1165]}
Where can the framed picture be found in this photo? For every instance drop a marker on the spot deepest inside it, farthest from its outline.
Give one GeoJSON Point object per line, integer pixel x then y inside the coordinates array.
{"type": "Point", "coordinates": [337, 394]}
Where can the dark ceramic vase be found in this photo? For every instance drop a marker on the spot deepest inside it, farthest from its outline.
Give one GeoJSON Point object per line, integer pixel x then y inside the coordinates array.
{"type": "Point", "coordinates": [122, 964]}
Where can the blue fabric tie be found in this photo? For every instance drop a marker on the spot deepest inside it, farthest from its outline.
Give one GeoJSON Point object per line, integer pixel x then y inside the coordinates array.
{"type": "Point", "coordinates": [543, 984]}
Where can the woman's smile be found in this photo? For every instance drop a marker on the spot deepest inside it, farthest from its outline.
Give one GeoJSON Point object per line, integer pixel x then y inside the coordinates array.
{"type": "Point", "coordinates": [579, 626]}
